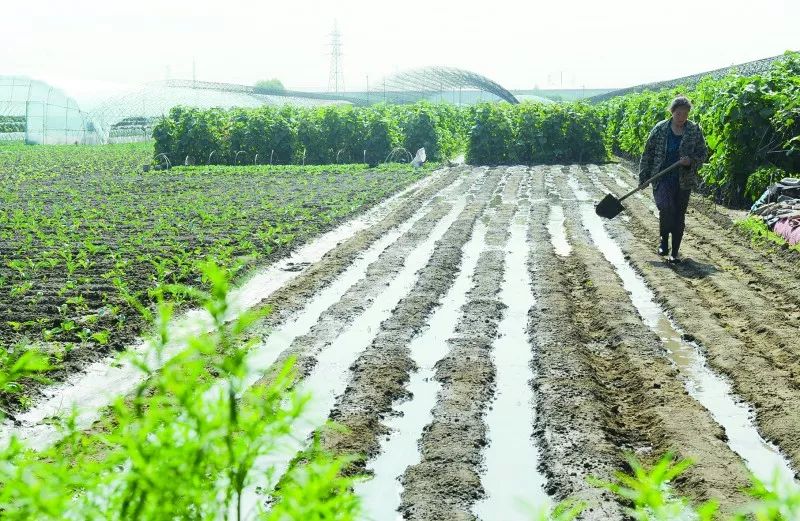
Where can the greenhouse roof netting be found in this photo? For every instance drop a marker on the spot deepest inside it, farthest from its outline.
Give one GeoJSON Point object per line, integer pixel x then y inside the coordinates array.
{"type": "Point", "coordinates": [425, 82]}
{"type": "Point", "coordinates": [37, 113]}
{"type": "Point", "coordinates": [130, 116]}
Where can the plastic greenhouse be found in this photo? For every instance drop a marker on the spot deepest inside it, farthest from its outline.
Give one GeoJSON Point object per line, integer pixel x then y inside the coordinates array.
{"type": "Point", "coordinates": [36, 113]}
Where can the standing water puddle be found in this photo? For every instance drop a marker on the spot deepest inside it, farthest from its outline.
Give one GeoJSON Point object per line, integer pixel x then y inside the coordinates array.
{"type": "Point", "coordinates": [555, 227]}
{"type": "Point", "coordinates": [381, 495]}
{"type": "Point", "coordinates": [331, 372]}
{"type": "Point", "coordinates": [511, 459]}
{"type": "Point", "coordinates": [264, 355]}
{"type": "Point", "coordinates": [763, 459]}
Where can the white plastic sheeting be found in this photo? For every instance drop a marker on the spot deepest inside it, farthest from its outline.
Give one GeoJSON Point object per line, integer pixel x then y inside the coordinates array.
{"type": "Point", "coordinates": [37, 113]}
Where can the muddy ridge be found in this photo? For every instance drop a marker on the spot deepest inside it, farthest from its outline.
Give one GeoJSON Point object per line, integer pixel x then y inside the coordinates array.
{"type": "Point", "coordinates": [293, 296]}
{"type": "Point", "coordinates": [355, 299]}
{"type": "Point", "coordinates": [380, 373]}
{"type": "Point", "coordinates": [446, 482]}
{"type": "Point", "coordinates": [570, 416]}
{"type": "Point", "coordinates": [306, 347]}
{"type": "Point", "coordinates": [654, 413]}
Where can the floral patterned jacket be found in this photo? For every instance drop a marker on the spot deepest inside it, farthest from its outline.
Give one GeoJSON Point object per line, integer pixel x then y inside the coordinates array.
{"type": "Point", "coordinates": [693, 146]}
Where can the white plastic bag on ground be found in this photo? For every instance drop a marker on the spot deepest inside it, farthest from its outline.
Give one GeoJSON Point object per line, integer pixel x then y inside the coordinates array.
{"type": "Point", "coordinates": [419, 158]}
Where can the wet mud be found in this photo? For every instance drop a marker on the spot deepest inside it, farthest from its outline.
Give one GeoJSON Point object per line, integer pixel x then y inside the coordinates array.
{"type": "Point", "coordinates": [499, 288]}
{"type": "Point", "coordinates": [446, 482]}
{"type": "Point", "coordinates": [742, 313]}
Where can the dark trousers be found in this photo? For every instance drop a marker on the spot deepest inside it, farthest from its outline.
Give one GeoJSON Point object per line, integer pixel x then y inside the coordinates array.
{"type": "Point", "coordinates": [672, 219]}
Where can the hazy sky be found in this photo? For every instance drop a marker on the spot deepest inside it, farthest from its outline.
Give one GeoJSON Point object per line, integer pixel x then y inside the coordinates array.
{"type": "Point", "coordinates": [98, 45]}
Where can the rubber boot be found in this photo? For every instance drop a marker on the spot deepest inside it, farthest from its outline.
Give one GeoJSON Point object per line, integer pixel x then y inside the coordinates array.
{"type": "Point", "coordinates": [663, 248]}
{"type": "Point", "coordinates": [676, 246]}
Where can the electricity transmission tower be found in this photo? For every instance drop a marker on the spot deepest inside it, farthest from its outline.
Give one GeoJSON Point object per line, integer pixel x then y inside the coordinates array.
{"type": "Point", "coordinates": [336, 76]}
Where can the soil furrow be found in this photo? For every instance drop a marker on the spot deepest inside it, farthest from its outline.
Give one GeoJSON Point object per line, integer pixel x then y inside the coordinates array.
{"type": "Point", "coordinates": [329, 375]}
{"type": "Point", "coordinates": [381, 494]}
{"type": "Point", "coordinates": [292, 297]}
{"type": "Point", "coordinates": [764, 277]}
{"type": "Point", "coordinates": [380, 373]}
{"type": "Point", "coordinates": [446, 482]}
{"type": "Point", "coordinates": [339, 315]}
{"type": "Point", "coordinates": [761, 316]}
{"type": "Point", "coordinates": [510, 420]}
{"type": "Point", "coordinates": [570, 413]}
{"type": "Point", "coordinates": [762, 373]}
{"type": "Point", "coordinates": [779, 258]}
{"type": "Point", "coordinates": [654, 415]}
{"type": "Point", "coordinates": [746, 310]}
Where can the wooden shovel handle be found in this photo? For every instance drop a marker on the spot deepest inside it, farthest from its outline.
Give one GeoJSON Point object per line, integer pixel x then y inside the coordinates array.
{"type": "Point", "coordinates": [657, 176]}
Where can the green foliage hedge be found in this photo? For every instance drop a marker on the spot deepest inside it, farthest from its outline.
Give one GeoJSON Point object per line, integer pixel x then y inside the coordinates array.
{"type": "Point", "coordinates": [293, 135]}
{"type": "Point", "coordinates": [751, 124]}
{"type": "Point", "coordinates": [533, 133]}
{"type": "Point", "coordinates": [490, 133]}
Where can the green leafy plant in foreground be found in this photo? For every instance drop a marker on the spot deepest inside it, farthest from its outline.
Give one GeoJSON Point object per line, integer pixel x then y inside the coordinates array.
{"type": "Point", "coordinates": [651, 497]}
{"type": "Point", "coordinates": [648, 490]}
{"type": "Point", "coordinates": [567, 510]}
{"type": "Point", "coordinates": [778, 502]}
{"type": "Point", "coordinates": [17, 364]}
{"type": "Point", "coordinates": [184, 445]}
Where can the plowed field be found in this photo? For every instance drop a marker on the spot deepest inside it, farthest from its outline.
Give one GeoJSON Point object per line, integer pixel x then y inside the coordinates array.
{"type": "Point", "coordinates": [486, 339]}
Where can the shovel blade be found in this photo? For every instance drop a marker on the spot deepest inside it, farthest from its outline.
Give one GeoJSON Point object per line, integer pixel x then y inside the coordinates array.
{"type": "Point", "coordinates": [609, 207]}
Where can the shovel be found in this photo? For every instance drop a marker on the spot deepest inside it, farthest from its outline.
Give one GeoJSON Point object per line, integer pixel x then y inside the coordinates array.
{"type": "Point", "coordinates": [610, 206]}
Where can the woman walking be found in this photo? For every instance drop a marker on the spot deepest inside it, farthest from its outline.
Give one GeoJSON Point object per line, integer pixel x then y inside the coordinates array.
{"type": "Point", "coordinates": [671, 140]}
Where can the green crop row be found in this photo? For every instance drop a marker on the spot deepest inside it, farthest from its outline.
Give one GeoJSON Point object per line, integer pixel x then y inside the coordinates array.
{"type": "Point", "coordinates": [751, 124]}
{"type": "Point", "coordinates": [316, 136]}
{"type": "Point", "coordinates": [87, 238]}
{"type": "Point", "coordinates": [532, 133]}
{"type": "Point", "coordinates": [492, 133]}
